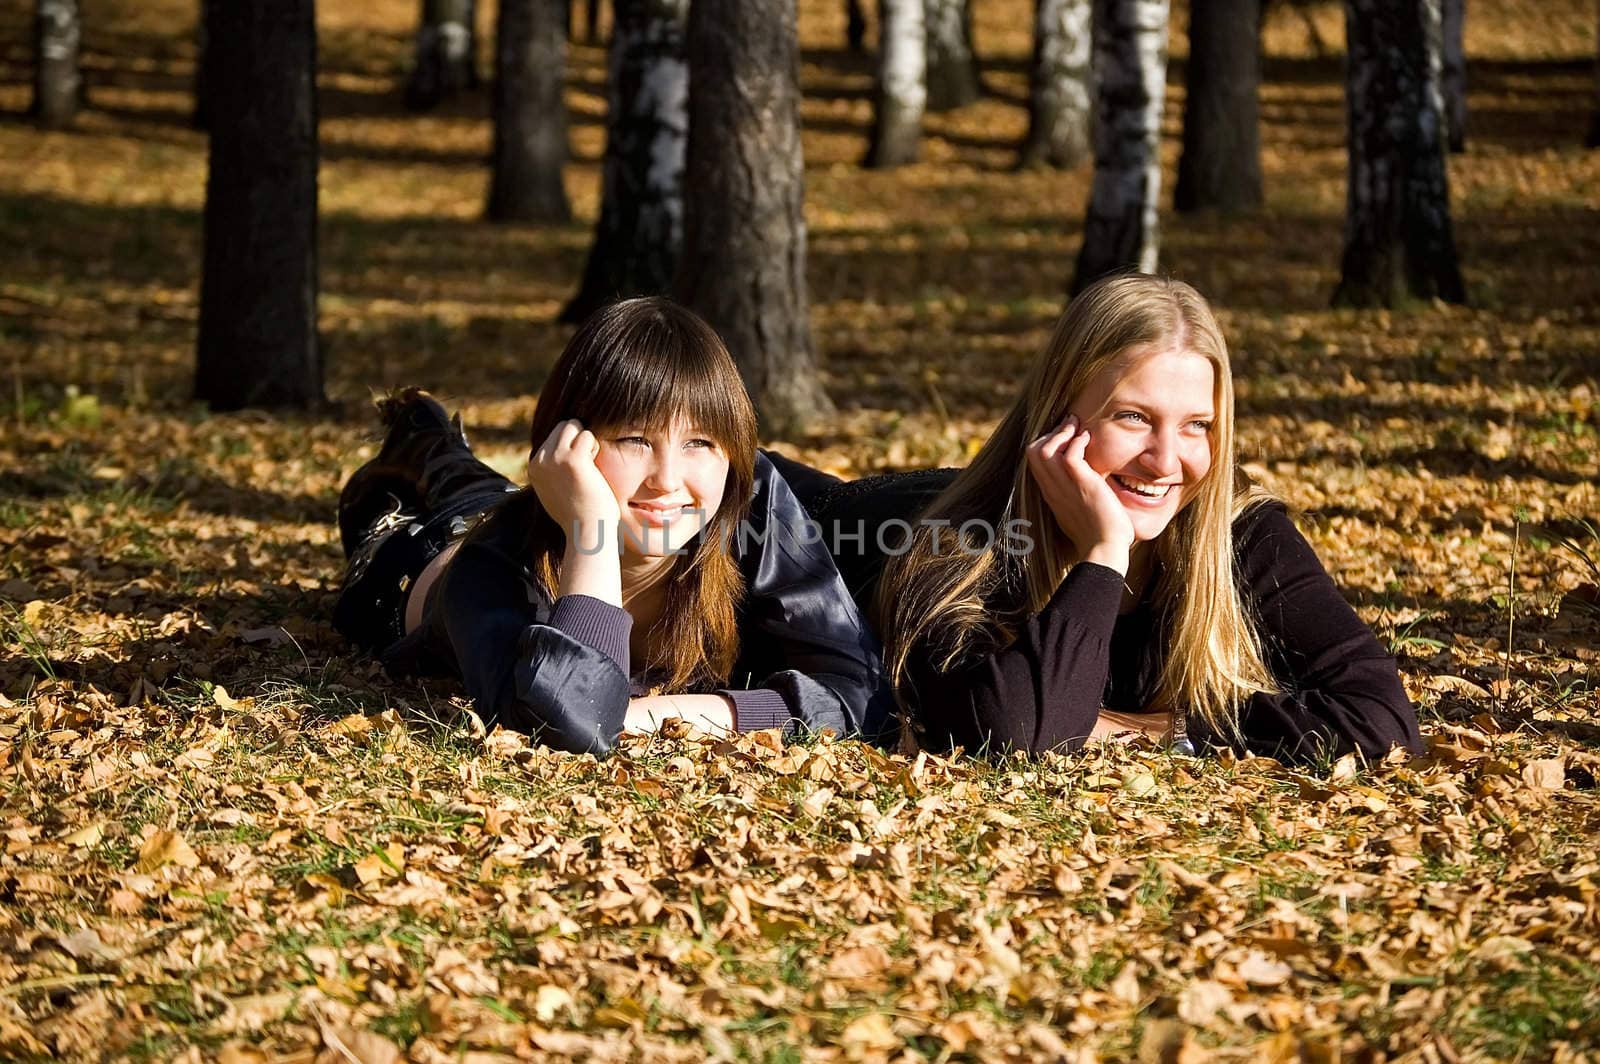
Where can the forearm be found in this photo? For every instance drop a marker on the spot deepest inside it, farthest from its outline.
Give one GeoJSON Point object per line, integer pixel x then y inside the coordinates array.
{"type": "Point", "coordinates": [590, 566]}
{"type": "Point", "coordinates": [1043, 691]}
{"type": "Point", "coordinates": [713, 713]}
{"type": "Point", "coordinates": [1112, 724]}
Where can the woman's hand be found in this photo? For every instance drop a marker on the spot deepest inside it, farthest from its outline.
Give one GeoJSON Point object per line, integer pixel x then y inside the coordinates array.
{"type": "Point", "coordinates": [709, 713]}
{"type": "Point", "coordinates": [578, 498]}
{"type": "Point", "coordinates": [1116, 726]}
{"type": "Point", "coordinates": [569, 485]}
{"type": "Point", "coordinates": [1086, 509]}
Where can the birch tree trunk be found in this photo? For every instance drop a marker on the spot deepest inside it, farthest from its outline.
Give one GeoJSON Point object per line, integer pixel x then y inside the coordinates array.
{"type": "Point", "coordinates": [743, 266]}
{"type": "Point", "coordinates": [1120, 230]}
{"type": "Point", "coordinates": [1398, 241]}
{"type": "Point", "coordinates": [1220, 168]}
{"type": "Point", "coordinates": [1059, 85]}
{"type": "Point", "coordinates": [855, 31]}
{"type": "Point", "coordinates": [57, 77]}
{"type": "Point", "coordinates": [640, 232]}
{"type": "Point", "coordinates": [952, 65]}
{"type": "Point", "coordinates": [902, 89]}
{"type": "Point", "coordinates": [530, 113]}
{"type": "Point", "coordinates": [258, 289]}
{"type": "Point", "coordinates": [1453, 72]}
{"type": "Point", "coordinates": [447, 53]}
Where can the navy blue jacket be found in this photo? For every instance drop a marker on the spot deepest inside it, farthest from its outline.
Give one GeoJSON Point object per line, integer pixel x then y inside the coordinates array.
{"type": "Point", "coordinates": [559, 670]}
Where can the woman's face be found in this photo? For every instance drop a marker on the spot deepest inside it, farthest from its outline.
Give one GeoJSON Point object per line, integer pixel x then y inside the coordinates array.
{"type": "Point", "coordinates": [1149, 416]}
{"type": "Point", "coordinates": [668, 483]}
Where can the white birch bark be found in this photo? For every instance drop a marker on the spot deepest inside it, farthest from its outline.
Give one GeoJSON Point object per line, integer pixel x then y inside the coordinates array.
{"type": "Point", "coordinates": [1060, 96]}
{"type": "Point", "coordinates": [1130, 50]}
{"type": "Point", "coordinates": [58, 78]}
{"type": "Point", "coordinates": [902, 94]}
{"type": "Point", "coordinates": [952, 67]}
{"type": "Point", "coordinates": [446, 61]}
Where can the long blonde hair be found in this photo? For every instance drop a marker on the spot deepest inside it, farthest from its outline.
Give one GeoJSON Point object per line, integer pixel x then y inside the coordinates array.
{"type": "Point", "coordinates": [641, 363]}
{"type": "Point", "coordinates": [959, 604]}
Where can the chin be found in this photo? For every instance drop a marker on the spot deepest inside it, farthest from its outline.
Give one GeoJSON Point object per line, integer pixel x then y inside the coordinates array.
{"type": "Point", "coordinates": [1147, 528]}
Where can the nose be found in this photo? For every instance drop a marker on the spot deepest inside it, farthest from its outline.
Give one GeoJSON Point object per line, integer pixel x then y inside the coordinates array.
{"type": "Point", "coordinates": [666, 474]}
{"type": "Point", "coordinates": [1161, 455]}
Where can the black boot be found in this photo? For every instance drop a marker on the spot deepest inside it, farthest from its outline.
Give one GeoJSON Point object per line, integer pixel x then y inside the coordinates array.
{"type": "Point", "coordinates": [424, 465]}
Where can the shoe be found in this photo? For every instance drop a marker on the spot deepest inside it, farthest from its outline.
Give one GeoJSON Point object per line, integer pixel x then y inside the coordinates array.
{"type": "Point", "coordinates": [424, 465]}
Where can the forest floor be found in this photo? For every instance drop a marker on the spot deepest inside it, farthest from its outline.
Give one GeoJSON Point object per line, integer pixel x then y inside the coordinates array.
{"type": "Point", "coordinates": [228, 836]}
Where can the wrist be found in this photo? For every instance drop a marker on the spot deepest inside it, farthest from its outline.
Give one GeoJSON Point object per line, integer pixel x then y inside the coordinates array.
{"type": "Point", "coordinates": [1110, 555]}
{"type": "Point", "coordinates": [586, 570]}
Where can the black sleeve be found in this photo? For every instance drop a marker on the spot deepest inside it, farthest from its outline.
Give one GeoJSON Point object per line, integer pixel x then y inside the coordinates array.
{"type": "Point", "coordinates": [1340, 689]}
{"type": "Point", "coordinates": [800, 632]}
{"type": "Point", "coordinates": [1043, 691]}
{"type": "Point", "coordinates": [521, 671]}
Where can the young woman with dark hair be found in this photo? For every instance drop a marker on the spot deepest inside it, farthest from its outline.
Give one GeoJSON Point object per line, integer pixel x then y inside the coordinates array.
{"type": "Point", "coordinates": [1102, 566]}
{"type": "Point", "coordinates": [656, 566]}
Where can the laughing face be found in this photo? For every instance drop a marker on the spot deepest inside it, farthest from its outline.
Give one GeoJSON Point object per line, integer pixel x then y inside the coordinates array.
{"type": "Point", "coordinates": [669, 484]}
{"type": "Point", "coordinates": [1150, 417]}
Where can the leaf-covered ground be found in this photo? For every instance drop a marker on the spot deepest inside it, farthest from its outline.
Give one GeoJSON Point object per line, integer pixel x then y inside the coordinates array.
{"type": "Point", "coordinates": [226, 836]}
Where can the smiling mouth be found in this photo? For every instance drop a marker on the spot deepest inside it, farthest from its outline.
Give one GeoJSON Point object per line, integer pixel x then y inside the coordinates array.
{"type": "Point", "coordinates": [657, 514]}
{"type": "Point", "coordinates": [1142, 489]}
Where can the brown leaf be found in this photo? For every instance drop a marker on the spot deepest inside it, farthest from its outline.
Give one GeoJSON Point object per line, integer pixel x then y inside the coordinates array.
{"type": "Point", "coordinates": [162, 848]}
{"type": "Point", "coordinates": [1548, 774]}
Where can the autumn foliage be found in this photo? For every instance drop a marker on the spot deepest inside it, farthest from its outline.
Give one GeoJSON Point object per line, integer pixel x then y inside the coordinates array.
{"type": "Point", "coordinates": [227, 836]}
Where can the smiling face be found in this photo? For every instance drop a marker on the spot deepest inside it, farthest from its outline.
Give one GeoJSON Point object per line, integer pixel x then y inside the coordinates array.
{"type": "Point", "coordinates": [1149, 416]}
{"type": "Point", "coordinates": [669, 483]}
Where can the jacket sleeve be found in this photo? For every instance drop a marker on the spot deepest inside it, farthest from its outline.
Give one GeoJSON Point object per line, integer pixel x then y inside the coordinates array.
{"type": "Point", "coordinates": [802, 637]}
{"type": "Point", "coordinates": [1340, 691]}
{"type": "Point", "coordinates": [1040, 692]}
{"type": "Point", "coordinates": [521, 670]}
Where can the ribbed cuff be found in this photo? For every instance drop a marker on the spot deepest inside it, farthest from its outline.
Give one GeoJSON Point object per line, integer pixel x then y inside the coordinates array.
{"type": "Point", "coordinates": [759, 709]}
{"type": "Point", "coordinates": [594, 623]}
{"type": "Point", "coordinates": [1091, 594]}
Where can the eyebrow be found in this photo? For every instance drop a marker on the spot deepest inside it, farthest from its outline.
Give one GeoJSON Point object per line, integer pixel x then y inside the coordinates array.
{"type": "Point", "coordinates": [1113, 402]}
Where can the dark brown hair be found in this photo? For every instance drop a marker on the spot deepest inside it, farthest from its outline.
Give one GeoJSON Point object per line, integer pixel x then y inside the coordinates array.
{"type": "Point", "coordinates": [642, 363]}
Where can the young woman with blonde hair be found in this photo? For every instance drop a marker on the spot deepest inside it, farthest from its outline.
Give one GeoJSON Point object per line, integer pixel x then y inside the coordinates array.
{"type": "Point", "coordinates": [656, 566]}
{"type": "Point", "coordinates": [1101, 565]}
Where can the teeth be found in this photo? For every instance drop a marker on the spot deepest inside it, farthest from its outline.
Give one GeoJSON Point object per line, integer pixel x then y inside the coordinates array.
{"type": "Point", "coordinates": [1148, 491]}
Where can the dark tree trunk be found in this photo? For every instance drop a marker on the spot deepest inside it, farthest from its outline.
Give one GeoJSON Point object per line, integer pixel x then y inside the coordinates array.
{"type": "Point", "coordinates": [640, 231]}
{"type": "Point", "coordinates": [530, 113]}
{"type": "Point", "coordinates": [1060, 85]}
{"type": "Point", "coordinates": [1220, 168]}
{"type": "Point", "coordinates": [57, 77]}
{"type": "Point", "coordinates": [901, 90]}
{"type": "Point", "coordinates": [258, 292]}
{"type": "Point", "coordinates": [952, 63]}
{"type": "Point", "coordinates": [855, 31]}
{"type": "Point", "coordinates": [1453, 72]}
{"type": "Point", "coordinates": [1594, 122]}
{"type": "Point", "coordinates": [446, 63]}
{"type": "Point", "coordinates": [1120, 231]}
{"type": "Point", "coordinates": [1398, 242]}
{"type": "Point", "coordinates": [744, 258]}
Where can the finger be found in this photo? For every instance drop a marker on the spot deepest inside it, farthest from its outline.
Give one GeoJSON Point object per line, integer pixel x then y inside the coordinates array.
{"type": "Point", "coordinates": [1057, 440]}
{"type": "Point", "coordinates": [586, 445]}
{"type": "Point", "coordinates": [552, 442]}
{"type": "Point", "coordinates": [1072, 454]}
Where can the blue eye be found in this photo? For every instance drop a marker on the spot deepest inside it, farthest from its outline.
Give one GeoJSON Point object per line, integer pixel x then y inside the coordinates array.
{"type": "Point", "coordinates": [1128, 415]}
{"type": "Point", "coordinates": [702, 443]}
{"type": "Point", "coordinates": [632, 441]}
